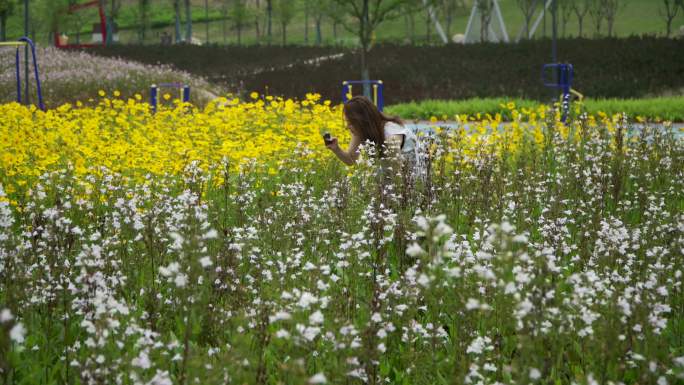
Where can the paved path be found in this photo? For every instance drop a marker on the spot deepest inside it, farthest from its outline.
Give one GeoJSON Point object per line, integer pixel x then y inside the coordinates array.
{"type": "Point", "coordinates": [424, 125]}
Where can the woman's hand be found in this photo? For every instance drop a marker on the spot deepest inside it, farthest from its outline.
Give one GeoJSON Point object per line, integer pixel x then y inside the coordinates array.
{"type": "Point", "coordinates": [332, 145]}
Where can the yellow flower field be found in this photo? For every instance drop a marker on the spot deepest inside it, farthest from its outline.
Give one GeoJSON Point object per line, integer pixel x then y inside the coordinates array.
{"type": "Point", "coordinates": [123, 135]}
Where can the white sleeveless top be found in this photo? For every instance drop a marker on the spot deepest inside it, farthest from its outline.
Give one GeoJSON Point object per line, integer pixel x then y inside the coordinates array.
{"type": "Point", "coordinates": [409, 145]}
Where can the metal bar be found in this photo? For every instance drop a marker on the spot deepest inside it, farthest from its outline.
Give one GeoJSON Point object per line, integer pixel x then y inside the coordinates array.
{"type": "Point", "coordinates": [39, 89]}
{"type": "Point", "coordinates": [12, 43]}
{"type": "Point", "coordinates": [103, 22]}
{"type": "Point", "coordinates": [77, 7]}
{"type": "Point", "coordinates": [154, 97]}
{"type": "Point", "coordinates": [26, 52]}
{"type": "Point", "coordinates": [381, 96]}
{"type": "Point", "coordinates": [435, 20]}
{"type": "Point", "coordinates": [378, 91]}
{"type": "Point", "coordinates": [18, 75]}
{"type": "Point", "coordinates": [470, 23]}
{"type": "Point", "coordinates": [502, 25]}
{"type": "Point", "coordinates": [186, 94]}
{"type": "Point", "coordinates": [539, 19]}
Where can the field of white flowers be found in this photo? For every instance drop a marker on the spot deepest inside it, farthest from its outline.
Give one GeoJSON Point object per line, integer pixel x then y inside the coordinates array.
{"type": "Point", "coordinates": [554, 260]}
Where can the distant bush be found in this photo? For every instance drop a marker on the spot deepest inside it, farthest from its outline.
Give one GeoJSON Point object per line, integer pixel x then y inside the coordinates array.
{"type": "Point", "coordinates": [604, 68]}
{"type": "Point", "coordinates": [69, 76]}
{"type": "Point", "coordinates": [669, 108]}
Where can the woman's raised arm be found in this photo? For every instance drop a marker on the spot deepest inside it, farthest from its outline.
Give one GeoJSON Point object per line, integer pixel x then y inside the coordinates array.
{"type": "Point", "coordinates": [350, 156]}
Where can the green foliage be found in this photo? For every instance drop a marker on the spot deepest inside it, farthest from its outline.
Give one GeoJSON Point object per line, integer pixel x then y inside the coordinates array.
{"type": "Point", "coordinates": [604, 68]}
{"type": "Point", "coordinates": [664, 108]}
{"type": "Point", "coordinates": [7, 6]}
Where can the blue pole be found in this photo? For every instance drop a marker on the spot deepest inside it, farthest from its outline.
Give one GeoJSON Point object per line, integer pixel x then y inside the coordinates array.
{"type": "Point", "coordinates": [186, 94]}
{"type": "Point", "coordinates": [18, 68]}
{"type": "Point", "coordinates": [39, 88]}
{"type": "Point", "coordinates": [345, 91]}
{"type": "Point", "coordinates": [153, 98]}
{"type": "Point", "coordinates": [381, 97]}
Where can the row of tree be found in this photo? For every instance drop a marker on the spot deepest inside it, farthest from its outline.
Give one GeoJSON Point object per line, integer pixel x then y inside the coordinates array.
{"type": "Point", "coordinates": [264, 16]}
{"type": "Point", "coordinates": [597, 11]}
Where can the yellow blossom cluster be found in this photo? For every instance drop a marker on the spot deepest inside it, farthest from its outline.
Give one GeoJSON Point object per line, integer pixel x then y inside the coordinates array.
{"type": "Point", "coordinates": [126, 137]}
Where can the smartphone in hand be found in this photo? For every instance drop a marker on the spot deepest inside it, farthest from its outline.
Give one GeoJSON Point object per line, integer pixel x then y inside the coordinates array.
{"type": "Point", "coordinates": [327, 138]}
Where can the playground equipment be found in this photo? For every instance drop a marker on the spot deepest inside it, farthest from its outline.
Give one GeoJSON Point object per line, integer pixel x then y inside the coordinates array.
{"type": "Point", "coordinates": [22, 42]}
{"type": "Point", "coordinates": [378, 88]}
{"type": "Point", "coordinates": [184, 90]}
{"type": "Point", "coordinates": [59, 43]}
{"type": "Point", "coordinates": [563, 81]}
{"type": "Point", "coordinates": [474, 28]}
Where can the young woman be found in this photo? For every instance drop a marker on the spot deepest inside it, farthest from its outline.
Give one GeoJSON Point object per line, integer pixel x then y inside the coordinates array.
{"type": "Point", "coordinates": [366, 122]}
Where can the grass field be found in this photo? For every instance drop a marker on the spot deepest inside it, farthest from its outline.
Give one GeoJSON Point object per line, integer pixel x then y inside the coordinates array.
{"type": "Point", "coordinates": [636, 17]}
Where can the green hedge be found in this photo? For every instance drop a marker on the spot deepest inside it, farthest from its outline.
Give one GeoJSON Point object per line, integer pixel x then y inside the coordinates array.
{"type": "Point", "coordinates": [666, 108]}
{"type": "Point", "coordinates": [604, 68]}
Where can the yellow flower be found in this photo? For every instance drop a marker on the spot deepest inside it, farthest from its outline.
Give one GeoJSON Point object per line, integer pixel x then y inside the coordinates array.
{"type": "Point", "coordinates": [254, 95]}
{"type": "Point", "coordinates": [101, 93]}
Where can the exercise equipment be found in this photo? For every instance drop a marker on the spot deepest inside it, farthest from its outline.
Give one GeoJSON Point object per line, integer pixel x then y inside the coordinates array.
{"type": "Point", "coordinates": [378, 90]}
{"type": "Point", "coordinates": [563, 81]}
{"type": "Point", "coordinates": [23, 42]}
{"type": "Point", "coordinates": [183, 89]}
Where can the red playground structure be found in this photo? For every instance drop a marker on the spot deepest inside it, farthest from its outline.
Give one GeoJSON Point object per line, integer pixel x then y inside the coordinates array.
{"type": "Point", "coordinates": [103, 25]}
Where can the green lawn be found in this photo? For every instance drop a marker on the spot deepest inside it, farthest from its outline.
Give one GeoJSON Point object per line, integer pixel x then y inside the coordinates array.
{"type": "Point", "coordinates": [635, 17]}
{"type": "Point", "coordinates": [667, 108]}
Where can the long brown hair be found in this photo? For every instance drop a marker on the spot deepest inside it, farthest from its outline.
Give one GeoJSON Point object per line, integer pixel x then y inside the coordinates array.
{"type": "Point", "coordinates": [367, 121]}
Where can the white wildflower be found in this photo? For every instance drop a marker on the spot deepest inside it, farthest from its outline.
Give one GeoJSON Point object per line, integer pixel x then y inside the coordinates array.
{"type": "Point", "coordinates": [316, 318]}
{"type": "Point", "coordinates": [414, 250]}
{"type": "Point", "coordinates": [205, 262]}
{"type": "Point", "coordinates": [318, 378]}
{"type": "Point", "coordinates": [18, 333]}
{"type": "Point", "coordinates": [181, 280]}
{"type": "Point", "coordinates": [535, 374]}
{"type": "Point", "coordinates": [6, 315]}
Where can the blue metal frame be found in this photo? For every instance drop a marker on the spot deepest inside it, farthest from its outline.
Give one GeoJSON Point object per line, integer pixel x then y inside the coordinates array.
{"type": "Point", "coordinates": [22, 42]}
{"type": "Point", "coordinates": [565, 73]}
{"type": "Point", "coordinates": [378, 91]}
{"type": "Point", "coordinates": [154, 93]}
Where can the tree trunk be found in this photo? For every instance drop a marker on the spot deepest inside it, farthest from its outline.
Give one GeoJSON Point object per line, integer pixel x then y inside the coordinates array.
{"type": "Point", "coordinates": [365, 73]}
{"type": "Point", "coordinates": [365, 34]}
{"type": "Point", "coordinates": [319, 35]}
{"type": "Point", "coordinates": [579, 21]}
{"type": "Point", "coordinates": [188, 22]}
{"type": "Point", "coordinates": [239, 34]}
{"type": "Point", "coordinates": [177, 31]}
{"type": "Point", "coordinates": [412, 28]}
{"type": "Point", "coordinates": [284, 30]}
{"type": "Point", "coordinates": [427, 25]}
{"type": "Point", "coordinates": [610, 27]}
{"type": "Point", "coordinates": [269, 16]}
{"type": "Point", "coordinates": [3, 26]}
{"type": "Point", "coordinates": [224, 29]}
{"type": "Point", "coordinates": [335, 31]}
{"type": "Point", "coordinates": [206, 21]}
{"type": "Point", "coordinates": [306, 22]}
